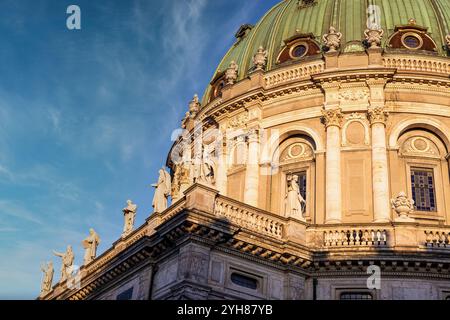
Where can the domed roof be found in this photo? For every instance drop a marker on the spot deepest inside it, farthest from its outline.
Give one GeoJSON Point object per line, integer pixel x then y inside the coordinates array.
{"type": "Point", "coordinates": [289, 17]}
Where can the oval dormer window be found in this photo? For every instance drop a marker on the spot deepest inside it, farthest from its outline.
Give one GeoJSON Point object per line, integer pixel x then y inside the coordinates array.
{"type": "Point", "coordinates": [412, 42]}
{"type": "Point", "coordinates": [299, 51]}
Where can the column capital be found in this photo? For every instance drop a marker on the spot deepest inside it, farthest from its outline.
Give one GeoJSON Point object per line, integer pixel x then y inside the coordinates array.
{"type": "Point", "coordinates": [332, 117]}
{"type": "Point", "coordinates": [253, 135]}
{"type": "Point", "coordinates": [377, 115]}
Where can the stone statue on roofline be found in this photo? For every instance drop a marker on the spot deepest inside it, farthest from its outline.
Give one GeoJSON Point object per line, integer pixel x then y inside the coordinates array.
{"type": "Point", "coordinates": [47, 279]}
{"type": "Point", "coordinates": [90, 245]}
{"type": "Point", "coordinates": [129, 213]}
{"type": "Point", "coordinates": [162, 192]}
{"type": "Point", "coordinates": [67, 259]}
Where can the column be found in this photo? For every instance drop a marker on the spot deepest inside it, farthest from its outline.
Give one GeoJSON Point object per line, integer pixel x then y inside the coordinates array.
{"type": "Point", "coordinates": [333, 122]}
{"type": "Point", "coordinates": [252, 172]}
{"type": "Point", "coordinates": [381, 205]}
{"type": "Point", "coordinates": [222, 167]}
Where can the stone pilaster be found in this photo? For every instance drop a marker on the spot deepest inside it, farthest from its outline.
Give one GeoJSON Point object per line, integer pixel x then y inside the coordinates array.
{"type": "Point", "coordinates": [221, 174]}
{"type": "Point", "coordinates": [378, 116]}
{"type": "Point", "coordinates": [252, 172]}
{"type": "Point", "coordinates": [333, 122]}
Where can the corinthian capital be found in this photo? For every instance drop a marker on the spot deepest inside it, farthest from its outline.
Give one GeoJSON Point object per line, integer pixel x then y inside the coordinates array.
{"type": "Point", "coordinates": [377, 115]}
{"type": "Point", "coordinates": [253, 135]}
{"type": "Point", "coordinates": [332, 117]}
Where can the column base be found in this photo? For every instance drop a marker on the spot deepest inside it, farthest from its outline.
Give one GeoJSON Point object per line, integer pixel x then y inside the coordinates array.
{"type": "Point", "coordinates": [333, 221]}
{"type": "Point", "coordinates": [383, 220]}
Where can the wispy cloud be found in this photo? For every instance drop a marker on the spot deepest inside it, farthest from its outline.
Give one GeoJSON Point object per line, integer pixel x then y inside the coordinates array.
{"type": "Point", "coordinates": [17, 211]}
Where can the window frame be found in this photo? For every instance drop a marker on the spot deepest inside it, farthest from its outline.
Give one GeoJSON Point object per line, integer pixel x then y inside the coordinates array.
{"type": "Point", "coordinates": [422, 169]}
{"type": "Point", "coordinates": [437, 162]}
{"type": "Point", "coordinates": [429, 164]}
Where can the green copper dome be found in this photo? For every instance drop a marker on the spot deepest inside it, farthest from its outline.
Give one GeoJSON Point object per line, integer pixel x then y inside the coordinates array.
{"type": "Point", "coordinates": [316, 16]}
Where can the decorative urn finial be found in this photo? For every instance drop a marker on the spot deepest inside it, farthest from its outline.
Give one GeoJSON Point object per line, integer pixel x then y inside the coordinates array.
{"type": "Point", "coordinates": [332, 39]}
{"type": "Point", "coordinates": [260, 59]}
{"type": "Point", "coordinates": [374, 37]}
{"type": "Point", "coordinates": [231, 73]}
{"type": "Point", "coordinates": [403, 206]}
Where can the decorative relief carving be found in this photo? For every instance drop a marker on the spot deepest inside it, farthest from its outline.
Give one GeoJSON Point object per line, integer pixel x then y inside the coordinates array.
{"type": "Point", "coordinates": [239, 120]}
{"type": "Point", "coordinates": [356, 130]}
{"type": "Point", "coordinates": [297, 151]}
{"type": "Point", "coordinates": [354, 95]}
{"type": "Point", "coordinates": [420, 146]}
{"type": "Point", "coordinates": [332, 117]}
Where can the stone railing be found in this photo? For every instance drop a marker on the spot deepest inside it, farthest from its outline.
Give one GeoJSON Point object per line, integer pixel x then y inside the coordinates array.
{"type": "Point", "coordinates": [249, 218]}
{"type": "Point", "coordinates": [418, 63]}
{"type": "Point", "coordinates": [344, 237]}
{"type": "Point", "coordinates": [292, 73]}
{"type": "Point", "coordinates": [437, 239]}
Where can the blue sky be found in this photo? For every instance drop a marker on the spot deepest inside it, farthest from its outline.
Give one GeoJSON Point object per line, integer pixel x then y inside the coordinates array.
{"type": "Point", "coordinates": [86, 116]}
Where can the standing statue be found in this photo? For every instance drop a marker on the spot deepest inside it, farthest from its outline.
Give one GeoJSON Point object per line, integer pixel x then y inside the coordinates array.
{"type": "Point", "coordinates": [47, 280]}
{"type": "Point", "coordinates": [206, 170]}
{"type": "Point", "coordinates": [295, 204]}
{"type": "Point", "coordinates": [447, 40]}
{"type": "Point", "coordinates": [196, 168]}
{"type": "Point", "coordinates": [67, 263]}
{"type": "Point", "coordinates": [90, 245]}
{"type": "Point", "coordinates": [130, 214]}
{"type": "Point", "coordinates": [194, 106]}
{"type": "Point", "coordinates": [260, 59]}
{"type": "Point", "coordinates": [332, 40]}
{"type": "Point", "coordinates": [231, 74]}
{"type": "Point", "coordinates": [403, 206]}
{"type": "Point", "coordinates": [373, 37]}
{"type": "Point", "coordinates": [162, 192]}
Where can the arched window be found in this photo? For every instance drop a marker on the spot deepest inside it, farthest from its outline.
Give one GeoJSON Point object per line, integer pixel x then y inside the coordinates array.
{"type": "Point", "coordinates": [295, 165]}
{"type": "Point", "coordinates": [423, 155]}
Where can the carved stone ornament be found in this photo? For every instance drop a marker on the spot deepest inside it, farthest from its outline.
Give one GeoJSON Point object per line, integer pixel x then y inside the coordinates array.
{"type": "Point", "coordinates": [447, 41]}
{"type": "Point", "coordinates": [332, 117]}
{"type": "Point", "coordinates": [353, 95]}
{"type": "Point", "coordinates": [231, 73]}
{"type": "Point", "coordinates": [420, 146]}
{"type": "Point", "coordinates": [332, 40]}
{"type": "Point", "coordinates": [374, 37]}
{"type": "Point", "coordinates": [297, 151]}
{"type": "Point", "coordinates": [239, 121]}
{"type": "Point", "coordinates": [260, 59]}
{"type": "Point", "coordinates": [377, 115]}
{"type": "Point", "coordinates": [194, 106]}
{"type": "Point", "coordinates": [403, 206]}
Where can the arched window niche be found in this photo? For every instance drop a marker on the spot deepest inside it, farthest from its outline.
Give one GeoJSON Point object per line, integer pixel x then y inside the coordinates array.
{"type": "Point", "coordinates": [295, 156]}
{"type": "Point", "coordinates": [423, 158]}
